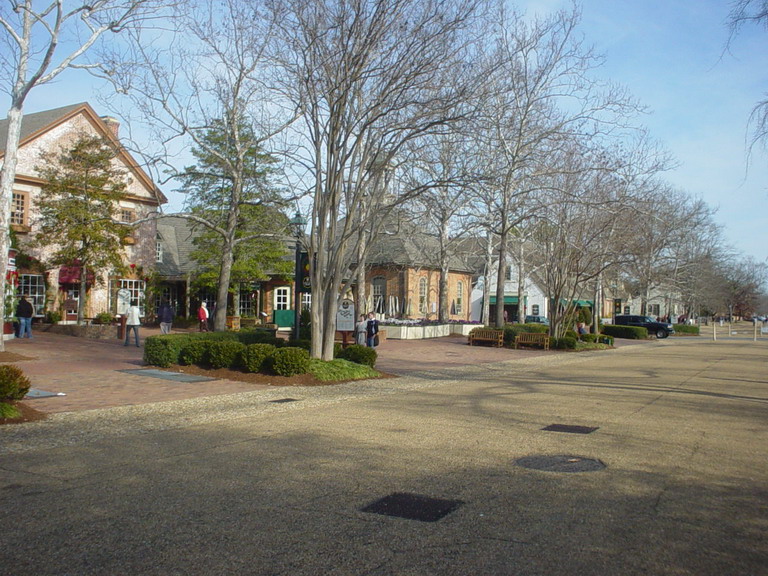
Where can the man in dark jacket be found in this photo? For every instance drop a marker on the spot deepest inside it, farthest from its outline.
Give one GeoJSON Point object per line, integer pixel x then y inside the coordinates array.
{"type": "Point", "coordinates": [165, 316]}
{"type": "Point", "coordinates": [372, 330]}
{"type": "Point", "coordinates": [24, 312]}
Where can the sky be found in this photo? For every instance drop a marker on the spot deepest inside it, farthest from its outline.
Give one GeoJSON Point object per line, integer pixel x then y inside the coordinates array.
{"type": "Point", "coordinates": [672, 55]}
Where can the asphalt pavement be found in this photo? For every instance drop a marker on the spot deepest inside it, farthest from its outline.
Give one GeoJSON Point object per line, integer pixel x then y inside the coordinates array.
{"type": "Point", "coordinates": [657, 464]}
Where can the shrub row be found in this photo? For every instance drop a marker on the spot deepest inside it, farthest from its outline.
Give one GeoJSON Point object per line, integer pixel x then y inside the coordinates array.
{"type": "Point", "coordinates": [631, 332]}
{"type": "Point", "coordinates": [227, 350]}
{"type": "Point", "coordinates": [686, 329]}
{"type": "Point", "coordinates": [512, 330]}
{"type": "Point", "coordinates": [165, 349]}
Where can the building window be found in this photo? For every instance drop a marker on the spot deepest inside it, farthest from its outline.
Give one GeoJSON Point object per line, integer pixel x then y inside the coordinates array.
{"type": "Point", "coordinates": [72, 302]}
{"type": "Point", "coordinates": [654, 309]}
{"type": "Point", "coordinates": [247, 300]}
{"type": "Point", "coordinates": [306, 300]}
{"type": "Point", "coordinates": [158, 251]}
{"type": "Point", "coordinates": [422, 295]}
{"type": "Point", "coordinates": [460, 298]}
{"type": "Point", "coordinates": [127, 215]}
{"type": "Point", "coordinates": [19, 208]}
{"type": "Point", "coordinates": [33, 285]}
{"type": "Point", "coordinates": [135, 287]}
{"type": "Point", "coordinates": [508, 273]}
{"type": "Point", "coordinates": [379, 294]}
{"type": "Point", "coordinates": [282, 298]}
{"type": "Point", "coordinates": [535, 310]}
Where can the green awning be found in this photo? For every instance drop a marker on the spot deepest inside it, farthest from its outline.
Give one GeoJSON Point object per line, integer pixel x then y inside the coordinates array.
{"type": "Point", "coordinates": [507, 300]}
{"type": "Point", "coordinates": [588, 303]}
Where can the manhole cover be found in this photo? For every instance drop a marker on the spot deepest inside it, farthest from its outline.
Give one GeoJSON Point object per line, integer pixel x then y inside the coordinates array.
{"type": "Point", "coordinates": [283, 400]}
{"type": "Point", "coordinates": [172, 376]}
{"type": "Point", "coordinates": [413, 507]}
{"type": "Point", "coordinates": [561, 463]}
{"type": "Point", "coordinates": [570, 429]}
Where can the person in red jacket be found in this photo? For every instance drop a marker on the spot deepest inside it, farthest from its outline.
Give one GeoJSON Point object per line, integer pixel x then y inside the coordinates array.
{"type": "Point", "coordinates": [202, 316]}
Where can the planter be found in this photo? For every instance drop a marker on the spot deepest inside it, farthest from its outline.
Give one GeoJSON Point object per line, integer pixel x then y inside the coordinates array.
{"type": "Point", "coordinates": [8, 331]}
{"type": "Point", "coordinates": [404, 332]}
{"type": "Point", "coordinates": [95, 331]}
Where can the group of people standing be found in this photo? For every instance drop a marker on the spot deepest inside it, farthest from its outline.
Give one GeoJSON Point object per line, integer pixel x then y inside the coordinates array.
{"type": "Point", "coordinates": [367, 330]}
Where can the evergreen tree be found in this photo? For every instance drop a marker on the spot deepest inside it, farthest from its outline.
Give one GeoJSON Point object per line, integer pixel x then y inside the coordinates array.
{"type": "Point", "coordinates": [78, 205]}
{"type": "Point", "coordinates": [236, 207]}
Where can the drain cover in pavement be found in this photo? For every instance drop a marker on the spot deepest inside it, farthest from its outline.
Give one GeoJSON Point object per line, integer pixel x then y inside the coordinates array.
{"type": "Point", "coordinates": [413, 507]}
{"type": "Point", "coordinates": [283, 400]}
{"type": "Point", "coordinates": [570, 429]}
{"type": "Point", "coordinates": [36, 393]}
{"type": "Point", "coordinates": [562, 463]}
{"type": "Point", "coordinates": [173, 376]}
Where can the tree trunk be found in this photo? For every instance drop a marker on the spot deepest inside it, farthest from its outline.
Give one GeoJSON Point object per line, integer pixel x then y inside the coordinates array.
{"type": "Point", "coordinates": [83, 288]}
{"type": "Point", "coordinates": [7, 177]}
{"type": "Point", "coordinates": [485, 312]}
{"type": "Point", "coordinates": [521, 272]}
{"type": "Point", "coordinates": [362, 288]}
{"type": "Point", "coordinates": [501, 279]}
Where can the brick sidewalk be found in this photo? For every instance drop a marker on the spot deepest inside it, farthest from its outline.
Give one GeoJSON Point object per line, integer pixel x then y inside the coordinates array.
{"type": "Point", "coordinates": [87, 371]}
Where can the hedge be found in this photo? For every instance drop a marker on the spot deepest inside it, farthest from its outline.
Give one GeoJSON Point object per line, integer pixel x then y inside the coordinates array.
{"type": "Point", "coordinates": [564, 343]}
{"type": "Point", "coordinates": [289, 361]}
{"type": "Point", "coordinates": [255, 355]}
{"type": "Point", "coordinates": [687, 329]}
{"type": "Point", "coordinates": [631, 332]}
{"type": "Point", "coordinates": [225, 354]}
{"type": "Point", "coordinates": [194, 352]}
{"type": "Point", "coordinates": [165, 349]}
{"type": "Point", "coordinates": [512, 330]}
{"type": "Point", "coordinates": [359, 355]}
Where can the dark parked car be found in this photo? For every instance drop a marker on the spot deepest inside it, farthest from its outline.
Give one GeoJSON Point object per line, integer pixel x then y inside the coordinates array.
{"type": "Point", "coordinates": [536, 320]}
{"type": "Point", "coordinates": [660, 329]}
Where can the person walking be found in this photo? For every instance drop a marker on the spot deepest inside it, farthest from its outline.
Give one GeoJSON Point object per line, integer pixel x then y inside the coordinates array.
{"type": "Point", "coordinates": [165, 316]}
{"type": "Point", "coordinates": [132, 322]}
{"type": "Point", "coordinates": [24, 312]}
{"type": "Point", "coordinates": [202, 316]}
{"type": "Point", "coordinates": [372, 329]}
{"type": "Point", "coordinates": [361, 331]}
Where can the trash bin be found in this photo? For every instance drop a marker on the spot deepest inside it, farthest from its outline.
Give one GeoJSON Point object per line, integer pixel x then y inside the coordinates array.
{"type": "Point", "coordinates": [121, 327]}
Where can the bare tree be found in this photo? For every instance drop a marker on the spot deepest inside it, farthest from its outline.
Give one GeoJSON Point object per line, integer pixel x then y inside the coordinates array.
{"type": "Point", "coordinates": [576, 233]}
{"type": "Point", "coordinates": [745, 12]}
{"type": "Point", "coordinates": [368, 76]}
{"type": "Point", "coordinates": [541, 96]}
{"type": "Point", "coordinates": [204, 85]}
{"type": "Point", "coordinates": [35, 53]}
{"type": "Point", "coordinates": [442, 164]}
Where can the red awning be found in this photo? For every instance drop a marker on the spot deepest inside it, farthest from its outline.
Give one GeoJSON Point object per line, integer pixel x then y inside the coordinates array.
{"type": "Point", "coordinates": [71, 275]}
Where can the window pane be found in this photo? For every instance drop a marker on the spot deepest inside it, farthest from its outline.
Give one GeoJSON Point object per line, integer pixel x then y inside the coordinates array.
{"type": "Point", "coordinates": [282, 298]}
{"type": "Point", "coordinates": [33, 285]}
{"type": "Point", "coordinates": [18, 208]}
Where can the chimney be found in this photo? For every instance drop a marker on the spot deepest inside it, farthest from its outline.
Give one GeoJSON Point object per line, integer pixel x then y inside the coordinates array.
{"type": "Point", "coordinates": [112, 124]}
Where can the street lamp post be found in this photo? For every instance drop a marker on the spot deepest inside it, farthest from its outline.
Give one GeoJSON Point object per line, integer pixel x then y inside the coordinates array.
{"type": "Point", "coordinates": [297, 224]}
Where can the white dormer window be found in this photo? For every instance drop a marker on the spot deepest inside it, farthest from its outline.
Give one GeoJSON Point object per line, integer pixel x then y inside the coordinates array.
{"type": "Point", "coordinates": [158, 251]}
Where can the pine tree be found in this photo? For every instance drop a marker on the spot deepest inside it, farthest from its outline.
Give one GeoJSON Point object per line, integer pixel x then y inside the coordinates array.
{"type": "Point", "coordinates": [78, 206]}
{"type": "Point", "coordinates": [231, 183]}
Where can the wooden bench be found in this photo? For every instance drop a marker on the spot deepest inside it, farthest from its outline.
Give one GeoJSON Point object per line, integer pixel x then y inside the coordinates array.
{"type": "Point", "coordinates": [486, 335]}
{"type": "Point", "coordinates": [532, 338]}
